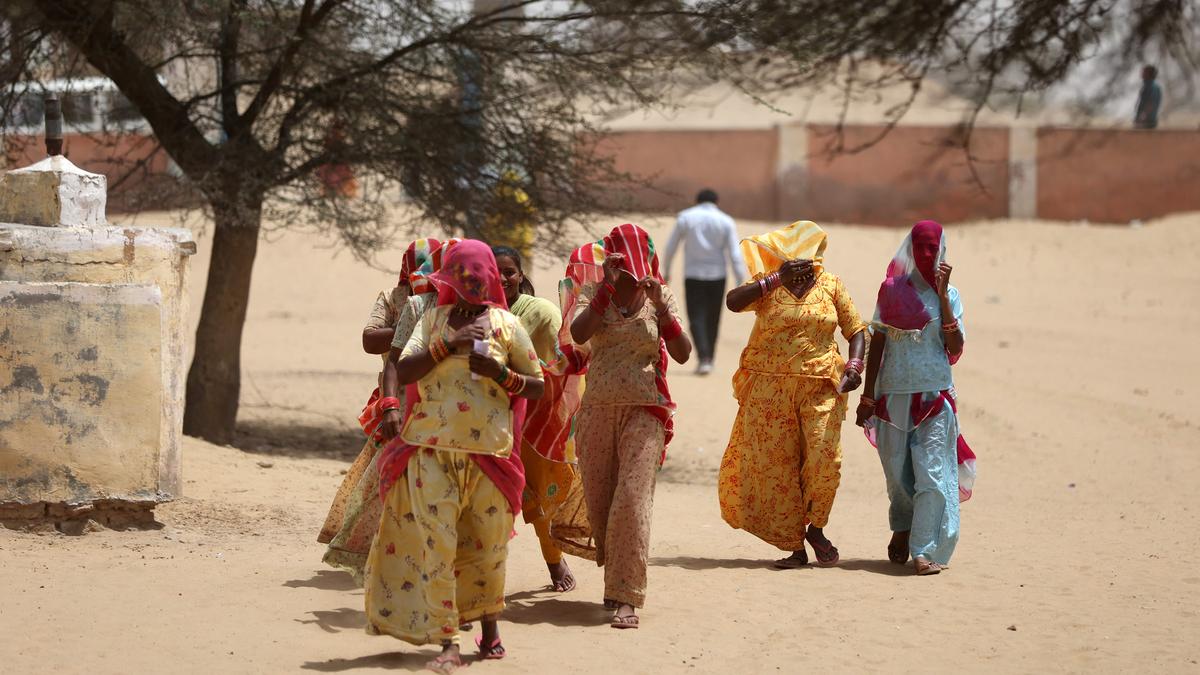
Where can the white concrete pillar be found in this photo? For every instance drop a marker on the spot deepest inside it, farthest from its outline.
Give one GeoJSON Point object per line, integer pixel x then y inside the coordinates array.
{"type": "Point", "coordinates": [92, 341]}
{"type": "Point", "coordinates": [1022, 171]}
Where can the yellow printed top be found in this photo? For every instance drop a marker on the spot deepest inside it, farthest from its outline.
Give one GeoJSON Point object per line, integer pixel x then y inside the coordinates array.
{"type": "Point", "coordinates": [796, 336]}
{"type": "Point", "coordinates": [458, 413]}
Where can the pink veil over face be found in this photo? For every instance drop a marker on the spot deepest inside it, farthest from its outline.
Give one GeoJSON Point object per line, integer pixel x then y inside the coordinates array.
{"type": "Point", "coordinates": [899, 303]}
{"type": "Point", "coordinates": [469, 272]}
{"type": "Point", "coordinates": [900, 306]}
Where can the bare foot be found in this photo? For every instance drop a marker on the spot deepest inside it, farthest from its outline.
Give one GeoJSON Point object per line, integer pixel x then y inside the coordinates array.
{"type": "Point", "coordinates": [925, 567]}
{"type": "Point", "coordinates": [561, 577]}
{"type": "Point", "coordinates": [625, 617]}
{"type": "Point", "coordinates": [898, 548]}
{"type": "Point", "coordinates": [827, 553]}
{"type": "Point", "coordinates": [448, 661]}
{"type": "Point", "coordinates": [796, 560]}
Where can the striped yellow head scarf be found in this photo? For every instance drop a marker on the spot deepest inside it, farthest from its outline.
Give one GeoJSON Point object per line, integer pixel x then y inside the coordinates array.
{"type": "Point", "coordinates": [802, 239]}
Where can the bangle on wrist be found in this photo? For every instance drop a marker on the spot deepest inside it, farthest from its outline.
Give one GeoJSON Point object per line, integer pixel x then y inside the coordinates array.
{"type": "Point", "coordinates": [439, 349]}
{"type": "Point", "coordinates": [670, 331]}
{"type": "Point", "coordinates": [856, 365]}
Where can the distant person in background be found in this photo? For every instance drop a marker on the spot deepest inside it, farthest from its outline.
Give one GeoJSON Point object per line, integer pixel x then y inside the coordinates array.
{"type": "Point", "coordinates": [1149, 100]}
{"type": "Point", "coordinates": [710, 238]}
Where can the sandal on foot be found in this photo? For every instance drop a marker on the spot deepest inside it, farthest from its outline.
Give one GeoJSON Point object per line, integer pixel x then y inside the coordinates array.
{"type": "Point", "coordinates": [445, 663]}
{"type": "Point", "coordinates": [630, 621]}
{"type": "Point", "coordinates": [793, 562]}
{"type": "Point", "coordinates": [925, 567]}
{"type": "Point", "coordinates": [493, 652]}
{"type": "Point", "coordinates": [827, 553]}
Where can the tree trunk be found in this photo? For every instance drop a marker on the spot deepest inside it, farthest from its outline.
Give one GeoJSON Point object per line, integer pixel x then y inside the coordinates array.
{"type": "Point", "coordinates": [215, 377]}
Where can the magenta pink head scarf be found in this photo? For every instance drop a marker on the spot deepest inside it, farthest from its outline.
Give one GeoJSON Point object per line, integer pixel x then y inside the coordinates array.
{"type": "Point", "coordinates": [469, 272]}
{"type": "Point", "coordinates": [899, 304]}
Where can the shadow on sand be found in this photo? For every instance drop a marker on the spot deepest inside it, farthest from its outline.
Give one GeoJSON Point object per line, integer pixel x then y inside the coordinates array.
{"type": "Point", "coordinates": [303, 441]}
{"type": "Point", "coordinates": [390, 660]}
{"type": "Point", "coordinates": [337, 620]}
{"type": "Point", "coordinates": [884, 567]}
{"type": "Point", "coordinates": [693, 563]}
{"type": "Point", "coordinates": [546, 606]}
{"type": "Point", "coordinates": [326, 580]}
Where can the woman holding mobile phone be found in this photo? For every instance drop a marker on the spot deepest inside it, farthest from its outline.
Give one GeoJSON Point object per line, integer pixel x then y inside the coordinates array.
{"type": "Point", "coordinates": [909, 405]}
{"type": "Point", "coordinates": [450, 478]}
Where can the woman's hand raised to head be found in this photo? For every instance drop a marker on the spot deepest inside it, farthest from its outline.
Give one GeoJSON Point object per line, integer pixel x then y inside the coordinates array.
{"type": "Point", "coordinates": [654, 293]}
{"type": "Point", "coordinates": [941, 278]}
{"type": "Point", "coordinates": [612, 267]}
{"type": "Point", "coordinates": [793, 270]}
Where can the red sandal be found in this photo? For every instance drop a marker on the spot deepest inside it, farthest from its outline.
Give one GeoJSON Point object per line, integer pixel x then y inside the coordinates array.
{"type": "Point", "coordinates": [493, 652]}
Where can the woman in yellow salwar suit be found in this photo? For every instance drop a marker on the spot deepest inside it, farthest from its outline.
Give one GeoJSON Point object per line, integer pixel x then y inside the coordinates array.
{"type": "Point", "coordinates": [782, 466]}
{"type": "Point", "coordinates": [450, 479]}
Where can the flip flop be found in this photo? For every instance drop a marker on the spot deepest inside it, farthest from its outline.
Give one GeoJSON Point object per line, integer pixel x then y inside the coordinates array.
{"type": "Point", "coordinates": [792, 562]}
{"type": "Point", "coordinates": [493, 652]}
{"type": "Point", "coordinates": [827, 553]}
{"type": "Point", "coordinates": [624, 622]}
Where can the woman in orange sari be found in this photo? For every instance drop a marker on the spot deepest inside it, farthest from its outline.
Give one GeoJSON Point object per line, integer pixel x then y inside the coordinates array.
{"type": "Point", "coordinates": [782, 466]}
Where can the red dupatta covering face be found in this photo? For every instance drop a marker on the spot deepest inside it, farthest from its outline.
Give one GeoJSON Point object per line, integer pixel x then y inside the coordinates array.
{"type": "Point", "coordinates": [468, 271]}
{"type": "Point", "coordinates": [586, 267]}
{"type": "Point", "coordinates": [911, 272]}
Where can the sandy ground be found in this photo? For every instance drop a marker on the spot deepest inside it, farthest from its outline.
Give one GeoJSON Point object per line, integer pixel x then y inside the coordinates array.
{"type": "Point", "coordinates": [1078, 550]}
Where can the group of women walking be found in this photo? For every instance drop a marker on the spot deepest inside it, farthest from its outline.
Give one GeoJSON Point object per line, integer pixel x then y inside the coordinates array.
{"type": "Point", "coordinates": [494, 402]}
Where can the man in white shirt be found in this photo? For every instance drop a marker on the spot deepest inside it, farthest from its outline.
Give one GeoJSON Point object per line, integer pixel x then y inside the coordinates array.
{"type": "Point", "coordinates": [710, 239]}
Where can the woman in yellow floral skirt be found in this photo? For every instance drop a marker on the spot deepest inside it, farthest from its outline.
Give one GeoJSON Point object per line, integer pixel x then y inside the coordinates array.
{"type": "Point", "coordinates": [450, 478]}
{"type": "Point", "coordinates": [782, 466]}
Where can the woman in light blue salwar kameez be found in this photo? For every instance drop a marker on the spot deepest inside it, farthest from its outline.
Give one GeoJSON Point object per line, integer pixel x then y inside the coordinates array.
{"type": "Point", "coordinates": [909, 407]}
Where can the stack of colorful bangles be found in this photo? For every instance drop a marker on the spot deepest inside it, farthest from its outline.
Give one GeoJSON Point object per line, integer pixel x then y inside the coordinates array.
{"type": "Point", "coordinates": [856, 365]}
{"type": "Point", "coordinates": [770, 282]}
{"type": "Point", "coordinates": [950, 327]}
{"type": "Point", "coordinates": [512, 382]}
{"type": "Point", "coordinates": [439, 350]}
